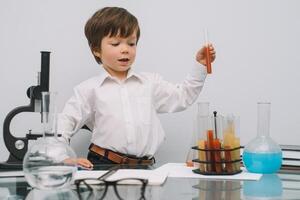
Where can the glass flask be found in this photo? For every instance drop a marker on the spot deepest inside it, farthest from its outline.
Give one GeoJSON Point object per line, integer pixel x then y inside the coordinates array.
{"type": "Point", "coordinates": [49, 163]}
{"type": "Point", "coordinates": [200, 127]}
{"type": "Point", "coordinates": [262, 154]}
{"type": "Point", "coordinates": [268, 187]}
{"type": "Point", "coordinates": [63, 194]}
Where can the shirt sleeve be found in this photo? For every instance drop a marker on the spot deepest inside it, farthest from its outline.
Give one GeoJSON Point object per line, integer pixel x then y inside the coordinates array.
{"type": "Point", "coordinates": [76, 113]}
{"type": "Point", "coordinates": [169, 97]}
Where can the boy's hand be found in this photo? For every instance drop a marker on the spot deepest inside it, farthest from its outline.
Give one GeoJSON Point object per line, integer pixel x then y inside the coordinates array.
{"type": "Point", "coordinates": [79, 161]}
{"type": "Point", "coordinates": [201, 54]}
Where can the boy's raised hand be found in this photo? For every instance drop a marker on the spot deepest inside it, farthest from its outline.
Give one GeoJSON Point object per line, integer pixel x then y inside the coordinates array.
{"type": "Point", "coordinates": [201, 54]}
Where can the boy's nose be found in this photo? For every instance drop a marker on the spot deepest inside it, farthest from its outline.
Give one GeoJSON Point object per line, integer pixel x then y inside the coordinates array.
{"type": "Point", "coordinates": [124, 49]}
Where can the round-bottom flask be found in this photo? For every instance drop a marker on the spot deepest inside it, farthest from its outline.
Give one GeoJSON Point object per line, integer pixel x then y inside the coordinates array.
{"type": "Point", "coordinates": [262, 154]}
{"type": "Point", "coordinates": [49, 163]}
{"type": "Point", "coordinates": [46, 164]}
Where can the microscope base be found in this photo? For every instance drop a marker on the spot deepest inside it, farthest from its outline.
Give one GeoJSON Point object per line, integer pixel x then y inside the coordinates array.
{"type": "Point", "coordinates": [12, 164]}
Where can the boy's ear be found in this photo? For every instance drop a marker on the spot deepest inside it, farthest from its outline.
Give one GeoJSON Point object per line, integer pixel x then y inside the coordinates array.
{"type": "Point", "coordinates": [97, 53]}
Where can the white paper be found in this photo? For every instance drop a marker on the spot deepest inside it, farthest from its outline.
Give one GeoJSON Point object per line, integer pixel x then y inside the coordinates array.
{"type": "Point", "coordinates": [180, 170]}
{"type": "Point", "coordinates": [4, 193]}
{"type": "Point", "coordinates": [12, 174]}
{"type": "Point", "coordinates": [153, 177]}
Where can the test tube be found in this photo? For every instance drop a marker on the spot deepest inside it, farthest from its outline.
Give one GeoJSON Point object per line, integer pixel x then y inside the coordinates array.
{"type": "Point", "coordinates": [210, 153]}
{"type": "Point", "coordinates": [231, 131]}
{"type": "Point", "coordinates": [208, 60]}
{"type": "Point", "coordinates": [202, 155]}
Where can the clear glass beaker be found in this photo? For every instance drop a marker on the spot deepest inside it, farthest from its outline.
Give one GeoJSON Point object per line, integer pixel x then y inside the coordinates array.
{"type": "Point", "coordinates": [201, 124]}
{"type": "Point", "coordinates": [262, 154]}
{"type": "Point", "coordinates": [49, 163]}
{"type": "Point", "coordinates": [231, 142]}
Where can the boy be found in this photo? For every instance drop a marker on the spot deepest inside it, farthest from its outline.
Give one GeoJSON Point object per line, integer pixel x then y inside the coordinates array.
{"type": "Point", "coordinates": [120, 106]}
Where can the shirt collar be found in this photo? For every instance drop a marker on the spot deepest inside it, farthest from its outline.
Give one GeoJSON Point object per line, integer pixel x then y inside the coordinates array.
{"type": "Point", "coordinates": [104, 76]}
{"type": "Point", "coordinates": [131, 74]}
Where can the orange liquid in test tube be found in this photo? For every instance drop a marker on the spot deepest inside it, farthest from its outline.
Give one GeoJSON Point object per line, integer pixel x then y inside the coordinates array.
{"type": "Point", "coordinates": [217, 146]}
{"type": "Point", "coordinates": [208, 157]}
{"type": "Point", "coordinates": [210, 146]}
{"type": "Point", "coordinates": [228, 166]}
{"type": "Point", "coordinates": [201, 155]}
{"type": "Point", "coordinates": [208, 60]}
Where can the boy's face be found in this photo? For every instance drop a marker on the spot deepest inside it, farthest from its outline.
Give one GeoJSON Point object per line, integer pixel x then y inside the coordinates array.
{"type": "Point", "coordinates": [117, 54]}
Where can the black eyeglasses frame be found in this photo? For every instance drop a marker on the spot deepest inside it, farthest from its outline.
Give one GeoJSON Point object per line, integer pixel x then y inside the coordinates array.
{"type": "Point", "coordinates": [106, 183]}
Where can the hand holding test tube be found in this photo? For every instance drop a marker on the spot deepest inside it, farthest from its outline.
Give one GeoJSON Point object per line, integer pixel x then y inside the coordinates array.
{"type": "Point", "coordinates": [206, 55]}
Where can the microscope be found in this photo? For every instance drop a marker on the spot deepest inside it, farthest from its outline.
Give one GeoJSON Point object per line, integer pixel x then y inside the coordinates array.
{"type": "Point", "coordinates": [18, 146]}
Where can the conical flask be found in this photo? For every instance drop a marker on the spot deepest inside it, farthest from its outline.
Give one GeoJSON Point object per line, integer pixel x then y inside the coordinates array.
{"type": "Point", "coordinates": [262, 154]}
{"type": "Point", "coordinates": [46, 164]}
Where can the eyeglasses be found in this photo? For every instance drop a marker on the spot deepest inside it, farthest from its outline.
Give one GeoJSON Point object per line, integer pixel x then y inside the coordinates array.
{"type": "Point", "coordinates": [96, 188]}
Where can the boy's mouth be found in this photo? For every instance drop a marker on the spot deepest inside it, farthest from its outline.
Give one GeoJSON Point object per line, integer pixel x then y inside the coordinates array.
{"type": "Point", "coordinates": [123, 59]}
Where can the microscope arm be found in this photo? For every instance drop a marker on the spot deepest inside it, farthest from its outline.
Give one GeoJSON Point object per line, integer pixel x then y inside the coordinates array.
{"type": "Point", "coordinates": [16, 146]}
{"type": "Point", "coordinates": [19, 146]}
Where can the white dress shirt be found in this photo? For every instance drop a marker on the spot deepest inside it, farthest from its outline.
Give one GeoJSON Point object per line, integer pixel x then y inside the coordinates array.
{"type": "Point", "coordinates": [123, 114]}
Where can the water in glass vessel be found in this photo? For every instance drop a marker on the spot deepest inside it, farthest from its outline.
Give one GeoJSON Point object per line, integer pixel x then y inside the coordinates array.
{"type": "Point", "coordinates": [48, 162]}
{"type": "Point", "coordinates": [263, 154]}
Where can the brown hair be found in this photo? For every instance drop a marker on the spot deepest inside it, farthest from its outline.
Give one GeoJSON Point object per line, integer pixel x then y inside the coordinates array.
{"type": "Point", "coordinates": [109, 21]}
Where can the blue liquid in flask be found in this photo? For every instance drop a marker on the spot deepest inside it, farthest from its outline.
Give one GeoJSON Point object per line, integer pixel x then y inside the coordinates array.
{"type": "Point", "coordinates": [265, 163]}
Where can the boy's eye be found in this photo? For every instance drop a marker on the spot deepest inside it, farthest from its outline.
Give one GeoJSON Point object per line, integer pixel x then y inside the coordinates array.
{"type": "Point", "coordinates": [115, 44]}
{"type": "Point", "coordinates": [132, 44]}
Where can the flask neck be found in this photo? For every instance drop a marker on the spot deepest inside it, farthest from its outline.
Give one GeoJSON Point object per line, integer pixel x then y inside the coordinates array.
{"type": "Point", "coordinates": [263, 119]}
{"type": "Point", "coordinates": [49, 114]}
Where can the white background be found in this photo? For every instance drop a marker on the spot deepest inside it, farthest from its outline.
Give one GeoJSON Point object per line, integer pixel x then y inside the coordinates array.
{"type": "Point", "coordinates": [257, 45]}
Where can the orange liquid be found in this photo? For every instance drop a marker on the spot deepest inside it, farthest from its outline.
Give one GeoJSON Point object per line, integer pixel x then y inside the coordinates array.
{"type": "Point", "coordinates": [189, 163]}
{"type": "Point", "coordinates": [217, 145]}
{"type": "Point", "coordinates": [228, 166]}
{"type": "Point", "coordinates": [208, 62]}
{"type": "Point", "coordinates": [210, 154]}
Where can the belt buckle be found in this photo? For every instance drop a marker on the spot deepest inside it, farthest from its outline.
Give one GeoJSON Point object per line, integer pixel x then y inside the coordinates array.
{"type": "Point", "coordinates": [125, 160]}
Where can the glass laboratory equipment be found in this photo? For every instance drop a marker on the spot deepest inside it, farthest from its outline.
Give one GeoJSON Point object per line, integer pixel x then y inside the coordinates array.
{"type": "Point", "coordinates": [218, 189]}
{"type": "Point", "coordinates": [49, 163]}
{"type": "Point", "coordinates": [200, 127]}
{"type": "Point", "coordinates": [231, 143]}
{"type": "Point", "coordinates": [268, 187]}
{"type": "Point", "coordinates": [62, 194]}
{"type": "Point", "coordinates": [217, 146]}
{"type": "Point", "coordinates": [262, 154]}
